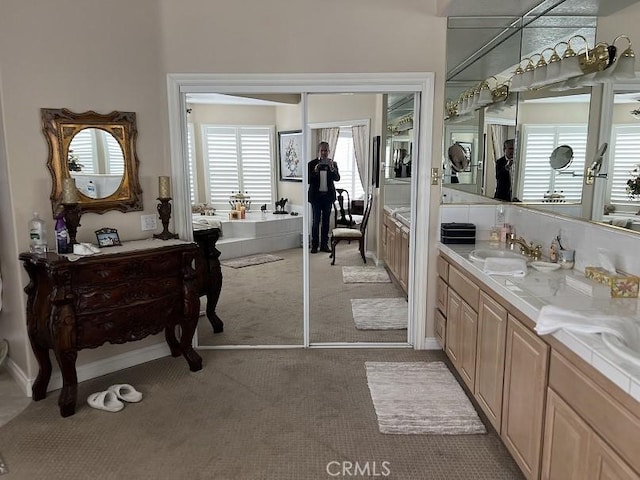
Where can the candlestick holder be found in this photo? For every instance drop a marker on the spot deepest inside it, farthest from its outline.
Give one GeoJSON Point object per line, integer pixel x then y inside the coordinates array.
{"type": "Point", "coordinates": [164, 210]}
{"type": "Point", "coordinates": [71, 213]}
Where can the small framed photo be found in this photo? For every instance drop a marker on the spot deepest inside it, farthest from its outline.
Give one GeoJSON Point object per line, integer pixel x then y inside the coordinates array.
{"type": "Point", "coordinates": [108, 237]}
{"type": "Point", "coordinates": [290, 155]}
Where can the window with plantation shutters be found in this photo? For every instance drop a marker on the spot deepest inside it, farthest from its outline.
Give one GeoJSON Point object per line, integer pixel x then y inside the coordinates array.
{"type": "Point", "coordinates": [624, 155]}
{"type": "Point", "coordinates": [83, 146]}
{"type": "Point", "coordinates": [114, 157]}
{"type": "Point", "coordinates": [238, 159]}
{"type": "Point", "coordinates": [538, 178]}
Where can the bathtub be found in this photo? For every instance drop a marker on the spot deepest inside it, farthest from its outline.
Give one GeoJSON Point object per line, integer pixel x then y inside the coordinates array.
{"type": "Point", "coordinates": [258, 232]}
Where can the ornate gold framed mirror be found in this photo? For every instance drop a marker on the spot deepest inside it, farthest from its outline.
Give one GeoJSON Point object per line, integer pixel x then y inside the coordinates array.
{"type": "Point", "coordinates": [99, 153]}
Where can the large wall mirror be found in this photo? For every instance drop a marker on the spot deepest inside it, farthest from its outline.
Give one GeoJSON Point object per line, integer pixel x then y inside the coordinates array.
{"type": "Point", "coordinates": [99, 153]}
{"type": "Point", "coordinates": [593, 119]}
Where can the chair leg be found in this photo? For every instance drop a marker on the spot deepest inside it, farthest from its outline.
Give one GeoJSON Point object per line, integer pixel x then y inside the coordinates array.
{"type": "Point", "coordinates": [362, 250]}
{"type": "Point", "coordinates": [333, 251]}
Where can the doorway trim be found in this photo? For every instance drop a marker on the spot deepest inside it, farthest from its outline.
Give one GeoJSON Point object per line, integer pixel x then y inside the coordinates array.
{"type": "Point", "coordinates": [179, 84]}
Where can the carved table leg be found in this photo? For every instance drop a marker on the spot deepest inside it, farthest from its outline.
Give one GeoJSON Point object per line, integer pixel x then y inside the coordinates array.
{"type": "Point", "coordinates": [170, 337]}
{"type": "Point", "coordinates": [213, 294]}
{"type": "Point", "coordinates": [68, 394]}
{"type": "Point", "coordinates": [209, 274]}
{"type": "Point", "coordinates": [39, 388]}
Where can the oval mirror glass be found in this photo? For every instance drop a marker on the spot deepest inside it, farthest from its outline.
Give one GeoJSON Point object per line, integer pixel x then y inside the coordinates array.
{"type": "Point", "coordinates": [561, 157]}
{"type": "Point", "coordinates": [96, 161]}
{"type": "Point", "coordinates": [458, 157]}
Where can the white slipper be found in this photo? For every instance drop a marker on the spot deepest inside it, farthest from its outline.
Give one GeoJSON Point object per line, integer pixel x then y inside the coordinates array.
{"type": "Point", "coordinates": [106, 400]}
{"type": "Point", "coordinates": [126, 392]}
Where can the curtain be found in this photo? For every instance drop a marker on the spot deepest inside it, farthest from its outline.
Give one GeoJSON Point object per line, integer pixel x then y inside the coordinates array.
{"type": "Point", "coordinates": [360, 136]}
{"type": "Point", "coordinates": [329, 135]}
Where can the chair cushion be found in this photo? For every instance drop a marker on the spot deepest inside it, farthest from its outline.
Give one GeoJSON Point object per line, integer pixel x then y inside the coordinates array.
{"type": "Point", "coordinates": [346, 232]}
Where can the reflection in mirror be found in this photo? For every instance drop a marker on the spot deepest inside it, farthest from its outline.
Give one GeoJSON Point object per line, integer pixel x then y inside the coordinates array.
{"type": "Point", "coordinates": [617, 183]}
{"type": "Point", "coordinates": [353, 301]}
{"type": "Point", "coordinates": [96, 162]}
{"type": "Point", "coordinates": [232, 146]}
{"type": "Point", "coordinates": [99, 152]}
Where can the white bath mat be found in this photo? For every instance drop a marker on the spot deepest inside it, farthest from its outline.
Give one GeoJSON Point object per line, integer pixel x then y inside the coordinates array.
{"type": "Point", "coordinates": [420, 398]}
{"type": "Point", "coordinates": [380, 313]}
{"type": "Point", "coordinates": [365, 275]}
{"type": "Point", "coordinates": [249, 260]}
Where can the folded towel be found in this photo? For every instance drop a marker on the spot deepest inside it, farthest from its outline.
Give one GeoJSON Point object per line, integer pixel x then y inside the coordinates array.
{"type": "Point", "coordinates": [515, 267]}
{"type": "Point", "coordinates": [621, 222]}
{"type": "Point", "coordinates": [552, 318]}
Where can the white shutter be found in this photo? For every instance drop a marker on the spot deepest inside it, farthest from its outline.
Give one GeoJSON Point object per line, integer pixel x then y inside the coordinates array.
{"type": "Point", "coordinates": [255, 164]}
{"type": "Point", "coordinates": [624, 155]}
{"type": "Point", "coordinates": [191, 165]}
{"type": "Point", "coordinates": [115, 159]}
{"type": "Point", "coordinates": [238, 159]}
{"type": "Point", "coordinates": [84, 145]}
{"type": "Point", "coordinates": [539, 178]}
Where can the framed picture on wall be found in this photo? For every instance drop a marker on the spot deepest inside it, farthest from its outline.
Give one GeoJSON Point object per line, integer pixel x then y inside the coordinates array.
{"type": "Point", "coordinates": [290, 155]}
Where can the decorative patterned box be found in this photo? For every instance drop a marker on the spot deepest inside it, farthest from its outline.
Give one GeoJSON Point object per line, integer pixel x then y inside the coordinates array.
{"type": "Point", "coordinates": [622, 284]}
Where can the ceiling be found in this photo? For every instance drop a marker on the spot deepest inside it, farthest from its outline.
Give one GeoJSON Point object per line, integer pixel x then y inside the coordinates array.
{"type": "Point", "coordinates": [477, 27]}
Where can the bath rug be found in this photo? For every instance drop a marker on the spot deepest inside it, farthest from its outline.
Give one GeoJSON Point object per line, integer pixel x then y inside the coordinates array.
{"type": "Point", "coordinates": [380, 313]}
{"type": "Point", "coordinates": [249, 260]}
{"type": "Point", "coordinates": [420, 398]}
{"type": "Point", "coordinates": [365, 275]}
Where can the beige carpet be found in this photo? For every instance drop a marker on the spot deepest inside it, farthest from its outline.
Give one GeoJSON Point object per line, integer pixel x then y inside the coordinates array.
{"type": "Point", "coordinates": [351, 274]}
{"type": "Point", "coordinates": [380, 313]}
{"type": "Point", "coordinates": [249, 260]}
{"type": "Point", "coordinates": [248, 414]}
{"type": "Point", "coordinates": [420, 398]}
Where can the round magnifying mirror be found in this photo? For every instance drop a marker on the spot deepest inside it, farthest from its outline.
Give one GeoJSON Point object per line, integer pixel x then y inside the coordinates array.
{"type": "Point", "coordinates": [458, 157]}
{"type": "Point", "coordinates": [96, 162]}
{"type": "Point", "coordinates": [561, 157]}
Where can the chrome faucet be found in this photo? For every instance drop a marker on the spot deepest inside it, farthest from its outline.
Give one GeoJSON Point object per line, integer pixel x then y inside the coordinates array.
{"type": "Point", "coordinates": [530, 250]}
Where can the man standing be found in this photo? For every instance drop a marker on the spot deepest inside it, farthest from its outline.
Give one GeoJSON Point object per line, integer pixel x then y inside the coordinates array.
{"type": "Point", "coordinates": [503, 172]}
{"type": "Point", "coordinates": [323, 172]}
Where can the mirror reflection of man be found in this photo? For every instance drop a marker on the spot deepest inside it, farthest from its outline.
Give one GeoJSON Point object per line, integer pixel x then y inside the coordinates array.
{"type": "Point", "coordinates": [503, 172]}
{"type": "Point", "coordinates": [323, 172]}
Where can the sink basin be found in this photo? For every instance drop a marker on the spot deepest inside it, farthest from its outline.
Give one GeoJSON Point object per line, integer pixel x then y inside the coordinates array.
{"type": "Point", "coordinates": [629, 348]}
{"type": "Point", "coordinates": [479, 255]}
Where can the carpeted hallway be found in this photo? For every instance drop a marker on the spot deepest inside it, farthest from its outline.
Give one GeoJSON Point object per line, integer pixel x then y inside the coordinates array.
{"type": "Point", "coordinates": [249, 414]}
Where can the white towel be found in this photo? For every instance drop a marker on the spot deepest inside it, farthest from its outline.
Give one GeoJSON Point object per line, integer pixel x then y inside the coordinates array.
{"type": "Point", "coordinates": [515, 267]}
{"type": "Point", "coordinates": [552, 318]}
{"type": "Point", "coordinates": [621, 222]}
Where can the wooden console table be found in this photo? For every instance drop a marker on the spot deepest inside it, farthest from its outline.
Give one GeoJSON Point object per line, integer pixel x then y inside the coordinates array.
{"type": "Point", "coordinates": [209, 272]}
{"type": "Point", "coordinates": [112, 297]}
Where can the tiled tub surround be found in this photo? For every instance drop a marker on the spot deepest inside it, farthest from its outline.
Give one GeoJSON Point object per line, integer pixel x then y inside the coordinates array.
{"type": "Point", "coordinates": [530, 293]}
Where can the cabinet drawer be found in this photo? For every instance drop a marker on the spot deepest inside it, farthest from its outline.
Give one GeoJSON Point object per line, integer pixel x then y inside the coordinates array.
{"type": "Point", "coordinates": [443, 269]}
{"type": "Point", "coordinates": [440, 328]}
{"type": "Point", "coordinates": [464, 286]}
{"type": "Point", "coordinates": [597, 408]}
{"type": "Point", "coordinates": [113, 270]}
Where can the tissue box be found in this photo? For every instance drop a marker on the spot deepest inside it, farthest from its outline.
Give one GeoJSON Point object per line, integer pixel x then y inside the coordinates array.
{"type": "Point", "coordinates": [623, 285]}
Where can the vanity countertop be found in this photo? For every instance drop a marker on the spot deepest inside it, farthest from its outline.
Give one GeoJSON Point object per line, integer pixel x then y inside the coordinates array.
{"type": "Point", "coordinates": [530, 293]}
{"type": "Point", "coordinates": [400, 212]}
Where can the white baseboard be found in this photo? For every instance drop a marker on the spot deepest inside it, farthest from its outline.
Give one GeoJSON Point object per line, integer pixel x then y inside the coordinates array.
{"type": "Point", "coordinates": [431, 343]}
{"type": "Point", "coordinates": [94, 369]}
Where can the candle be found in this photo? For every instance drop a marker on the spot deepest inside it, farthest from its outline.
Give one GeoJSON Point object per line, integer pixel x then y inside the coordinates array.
{"type": "Point", "coordinates": [69, 191]}
{"type": "Point", "coordinates": [164, 187]}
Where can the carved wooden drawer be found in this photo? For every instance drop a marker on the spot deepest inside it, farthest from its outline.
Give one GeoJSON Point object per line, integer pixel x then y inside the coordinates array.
{"type": "Point", "coordinates": [113, 270]}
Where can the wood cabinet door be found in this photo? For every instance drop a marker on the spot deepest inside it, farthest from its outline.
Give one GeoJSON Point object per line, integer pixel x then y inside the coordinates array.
{"type": "Point", "coordinates": [566, 442]}
{"type": "Point", "coordinates": [440, 328]}
{"type": "Point", "coordinates": [468, 335]}
{"type": "Point", "coordinates": [404, 258]}
{"type": "Point", "coordinates": [523, 400]}
{"type": "Point", "coordinates": [492, 331]}
{"type": "Point", "coordinates": [454, 310]}
{"type": "Point", "coordinates": [605, 464]}
{"type": "Point", "coordinates": [441, 296]}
